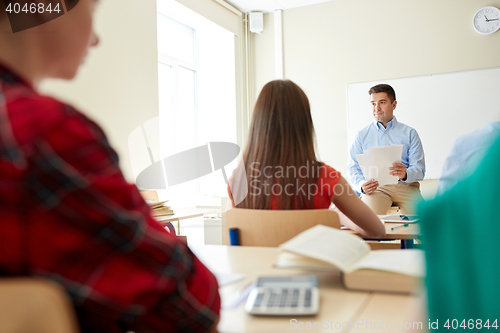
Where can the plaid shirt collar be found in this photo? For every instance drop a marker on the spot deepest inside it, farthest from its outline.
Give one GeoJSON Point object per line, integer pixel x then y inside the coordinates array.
{"type": "Point", "coordinates": [8, 76]}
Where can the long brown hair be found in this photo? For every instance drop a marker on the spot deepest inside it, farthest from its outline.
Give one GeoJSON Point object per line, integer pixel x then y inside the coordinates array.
{"type": "Point", "coordinates": [280, 144]}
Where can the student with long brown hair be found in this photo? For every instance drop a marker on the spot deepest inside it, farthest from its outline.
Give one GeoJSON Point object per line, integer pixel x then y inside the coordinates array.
{"type": "Point", "coordinates": [280, 168]}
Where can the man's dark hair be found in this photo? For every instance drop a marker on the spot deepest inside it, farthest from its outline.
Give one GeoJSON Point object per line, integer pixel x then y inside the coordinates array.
{"type": "Point", "coordinates": [379, 88]}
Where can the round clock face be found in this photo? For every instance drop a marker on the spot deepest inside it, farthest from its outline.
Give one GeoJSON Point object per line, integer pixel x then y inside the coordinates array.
{"type": "Point", "coordinates": [486, 20]}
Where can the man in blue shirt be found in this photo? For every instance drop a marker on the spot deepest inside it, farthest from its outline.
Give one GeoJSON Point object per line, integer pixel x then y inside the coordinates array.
{"type": "Point", "coordinates": [386, 131]}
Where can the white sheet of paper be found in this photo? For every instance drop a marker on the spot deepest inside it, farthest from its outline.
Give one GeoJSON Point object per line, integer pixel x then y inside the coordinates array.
{"type": "Point", "coordinates": [377, 162]}
{"type": "Point", "coordinates": [234, 301]}
{"type": "Point", "coordinates": [362, 164]}
{"type": "Point", "coordinates": [224, 279]}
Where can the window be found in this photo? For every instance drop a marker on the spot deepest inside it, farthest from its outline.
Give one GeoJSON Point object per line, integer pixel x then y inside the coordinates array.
{"type": "Point", "coordinates": [197, 94]}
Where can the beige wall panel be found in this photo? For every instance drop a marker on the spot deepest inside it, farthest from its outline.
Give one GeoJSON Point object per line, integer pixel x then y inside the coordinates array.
{"type": "Point", "coordinates": [263, 55]}
{"type": "Point", "coordinates": [118, 85]}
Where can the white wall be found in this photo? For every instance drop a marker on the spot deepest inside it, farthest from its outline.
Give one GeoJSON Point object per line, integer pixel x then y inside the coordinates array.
{"type": "Point", "coordinates": [330, 45]}
{"type": "Point", "coordinates": [216, 13]}
{"type": "Point", "coordinates": [118, 85]}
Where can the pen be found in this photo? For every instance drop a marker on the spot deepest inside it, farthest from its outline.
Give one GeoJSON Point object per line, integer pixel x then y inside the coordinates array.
{"type": "Point", "coordinates": [408, 217]}
{"type": "Point", "coordinates": [399, 226]}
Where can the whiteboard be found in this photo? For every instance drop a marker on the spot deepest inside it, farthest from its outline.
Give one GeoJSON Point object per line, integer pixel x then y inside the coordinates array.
{"type": "Point", "coordinates": [440, 107]}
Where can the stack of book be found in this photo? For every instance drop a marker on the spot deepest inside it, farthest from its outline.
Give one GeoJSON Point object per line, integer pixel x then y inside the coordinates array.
{"type": "Point", "coordinates": [161, 209]}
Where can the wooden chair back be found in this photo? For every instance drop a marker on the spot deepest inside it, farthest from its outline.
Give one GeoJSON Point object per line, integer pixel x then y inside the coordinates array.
{"type": "Point", "coordinates": [31, 305]}
{"type": "Point", "coordinates": [273, 227]}
{"type": "Point", "coordinates": [150, 196]}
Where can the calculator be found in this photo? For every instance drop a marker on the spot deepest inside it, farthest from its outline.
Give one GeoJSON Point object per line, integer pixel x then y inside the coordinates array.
{"type": "Point", "coordinates": [294, 295]}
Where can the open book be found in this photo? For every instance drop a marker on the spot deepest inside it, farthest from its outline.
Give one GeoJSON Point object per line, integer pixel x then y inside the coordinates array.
{"type": "Point", "coordinates": [327, 248]}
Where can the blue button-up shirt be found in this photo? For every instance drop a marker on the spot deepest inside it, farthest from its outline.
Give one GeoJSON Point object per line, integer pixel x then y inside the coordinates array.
{"type": "Point", "coordinates": [466, 154]}
{"type": "Point", "coordinates": [396, 133]}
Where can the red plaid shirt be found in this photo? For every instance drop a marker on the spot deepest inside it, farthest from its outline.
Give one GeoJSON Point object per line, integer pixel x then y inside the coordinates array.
{"type": "Point", "coordinates": [67, 214]}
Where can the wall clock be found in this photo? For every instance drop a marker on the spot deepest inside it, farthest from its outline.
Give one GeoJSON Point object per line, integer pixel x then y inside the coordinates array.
{"type": "Point", "coordinates": [486, 20]}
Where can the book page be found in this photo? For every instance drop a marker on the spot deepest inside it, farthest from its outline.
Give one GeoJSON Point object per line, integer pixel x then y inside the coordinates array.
{"type": "Point", "coordinates": [331, 245]}
{"type": "Point", "coordinates": [297, 261]}
{"type": "Point", "coordinates": [409, 262]}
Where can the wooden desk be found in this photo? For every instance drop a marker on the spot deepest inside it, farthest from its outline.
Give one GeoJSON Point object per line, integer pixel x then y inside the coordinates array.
{"type": "Point", "coordinates": [176, 217]}
{"type": "Point", "coordinates": [164, 220]}
{"type": "Point", "coordinates": [405, 234]}
{"type": "Point", "coordinates": [403, 312]}
{"type": "Point", "coordinates": [337, 305]}
{"type": "Point", "coordinates": [211, 207]}
{"type": "Point", "coordinates": [412, 231]}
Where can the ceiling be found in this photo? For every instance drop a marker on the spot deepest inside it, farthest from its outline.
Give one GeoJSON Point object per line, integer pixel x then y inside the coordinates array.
{"type": "Point", "coordinates": [270, 5]}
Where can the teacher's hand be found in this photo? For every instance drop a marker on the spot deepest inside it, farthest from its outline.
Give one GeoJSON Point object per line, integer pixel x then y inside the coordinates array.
{"type": "Point", "coordinates": [398, 169]}
{"type": "Point", "coordinates": [370, 186]}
